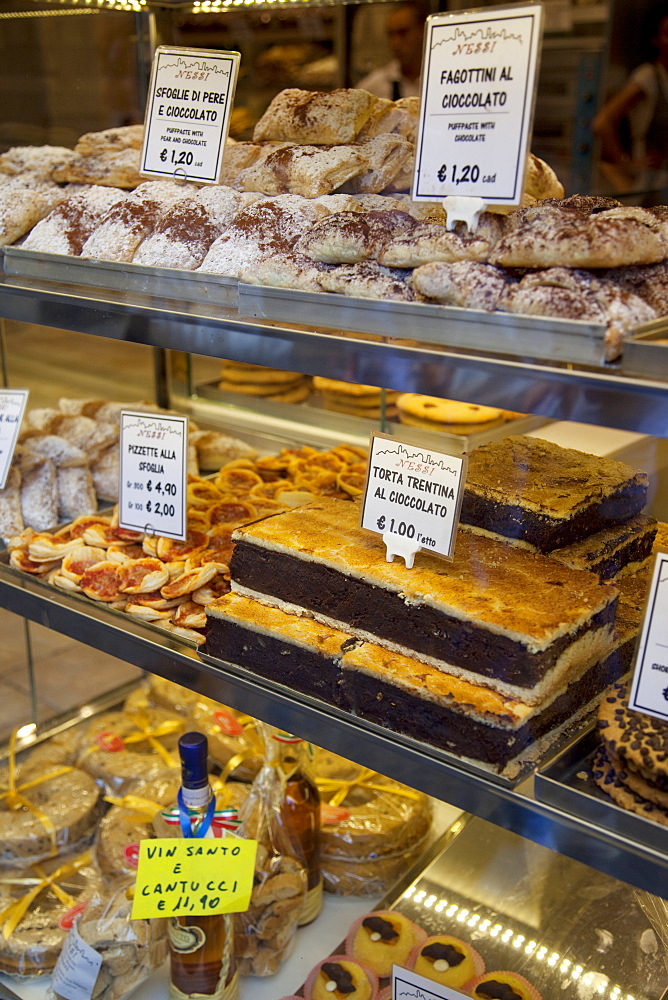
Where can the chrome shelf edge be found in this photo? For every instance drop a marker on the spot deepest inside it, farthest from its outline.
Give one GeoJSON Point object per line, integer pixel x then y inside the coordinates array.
{"type": "Point", "coordinates": [591, 396]}
{"type": "Point", "coordinates": [512, 809]}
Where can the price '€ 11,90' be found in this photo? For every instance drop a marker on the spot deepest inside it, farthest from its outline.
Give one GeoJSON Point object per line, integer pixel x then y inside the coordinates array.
{"type": "Point", "coordinates": [152, 495]}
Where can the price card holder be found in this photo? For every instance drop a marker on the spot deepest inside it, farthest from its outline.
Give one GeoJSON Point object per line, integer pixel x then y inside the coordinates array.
{"type": "Point", "coordinates": [477, 99]}
{"type": "Point", "coordinates": [153, 476]}
{"type": "Point", "coordinates": [649, 688]}
{"type": "Point", "coordinates": [178, 878]}
{"type": "Point", "coordinates": [412, 497]}
{"type": "Point", "coordinates": [12, 407]}
{"type": "Point", "coordinates": [407, 984]}
{"type": "Point", "coordinates": [188, 113]}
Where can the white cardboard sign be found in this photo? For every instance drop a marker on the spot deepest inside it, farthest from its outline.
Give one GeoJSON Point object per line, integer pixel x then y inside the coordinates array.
{"type": "Point", "coordinates": [649, 689]}
{"type": "Point", "coordinates": [412, 497]}
{"type": "Point", "coordinates": [476, 111]}
{"type": "Point", "coordinates": [407, 985]}
{"type": "Point", "coordinates": [12, 407]}
{"type": "Point", "coordinates": [152, 489]}
{"type": "Point", "coordinates": [188, 113]}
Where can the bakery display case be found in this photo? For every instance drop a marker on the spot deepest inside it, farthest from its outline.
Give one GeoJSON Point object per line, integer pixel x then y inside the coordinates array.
{"type": "Point", "coordinates": [535, 367]}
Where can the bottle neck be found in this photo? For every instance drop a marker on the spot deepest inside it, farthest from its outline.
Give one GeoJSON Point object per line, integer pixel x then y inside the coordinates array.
{"type": "Point", "coordinates": [290, 754]}
{"type": "Point", "coordinates": [197, 799]}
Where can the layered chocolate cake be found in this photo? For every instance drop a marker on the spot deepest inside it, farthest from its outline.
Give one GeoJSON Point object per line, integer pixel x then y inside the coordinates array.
{"type": "Point", "coordinates": [398, 692]}
{"type": "Point", "coordinates": [545, 496]}
{"type": "Point", "coordinates": [619, 549]}
{"type": "Point", "coordinates": [514, 619]}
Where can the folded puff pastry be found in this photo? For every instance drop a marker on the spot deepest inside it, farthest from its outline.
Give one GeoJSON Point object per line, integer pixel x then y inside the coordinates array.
{"type": "Point", "coordinates": [315, 117]}
{"type": "Point", "coordinates": [309, 171]}
{"type": "Point", "coordinates": [387, 158]}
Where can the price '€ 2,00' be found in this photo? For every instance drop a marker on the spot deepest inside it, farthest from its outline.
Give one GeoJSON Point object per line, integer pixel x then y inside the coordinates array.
{"type": "Point", "coordinates": [152, 494]}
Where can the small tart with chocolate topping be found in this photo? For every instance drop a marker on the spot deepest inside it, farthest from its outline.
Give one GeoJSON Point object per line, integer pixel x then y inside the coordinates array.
{"type": "Point", "coordinates": [340, 977]}
{"type": "Point", "coordinates": [382, 939]}
{"type": "Point", "coordinates": [504, 985]}
{"type": "Point", "coordinates": [447, 960]}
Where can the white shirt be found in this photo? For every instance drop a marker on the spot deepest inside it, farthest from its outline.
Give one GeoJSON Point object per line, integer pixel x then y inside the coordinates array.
{"type": "Point", "coordinates": [380, 82]}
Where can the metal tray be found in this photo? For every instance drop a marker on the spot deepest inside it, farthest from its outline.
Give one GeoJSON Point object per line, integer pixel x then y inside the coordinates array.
{"type": "Point", "coordinates": [530, 337]}
{"type": "Point", "coordinates": [567, 783]}
{"type": "Point", "coordinates": [647, 352]}
{"type": "Point", "coordinates": [313, 412]}
{"type": "Point", "coordinates": [162, 282]}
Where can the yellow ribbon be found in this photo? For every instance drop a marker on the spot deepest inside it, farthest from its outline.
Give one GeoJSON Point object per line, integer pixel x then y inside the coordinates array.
{"type": "Point", "coordinates": [16, 800]}
{"type": "Point", "coordinates": [12, 915]}
{"type": "Point", "coordinates": [249, 725]}
{"type": "Point", "coordinates": [147, 808]}
{"type": "Point", "coordinates": [336, 790]}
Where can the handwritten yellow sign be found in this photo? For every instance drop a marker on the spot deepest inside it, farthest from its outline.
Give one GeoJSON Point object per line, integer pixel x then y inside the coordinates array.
{"type": "Point", "coordinates": [198, 877]}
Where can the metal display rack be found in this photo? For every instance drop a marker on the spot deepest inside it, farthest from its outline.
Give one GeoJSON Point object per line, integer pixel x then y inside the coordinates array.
{"type": "Point", "coordinates": [603, 395]}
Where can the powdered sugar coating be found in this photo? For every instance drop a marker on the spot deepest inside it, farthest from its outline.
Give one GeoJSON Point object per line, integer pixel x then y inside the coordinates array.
{"type": "Point", "coordinates": [23, 203]}
{"type": "Point", "coordinates": [40, 161]}
{"type": "Point", "coordinates": [67, 227]}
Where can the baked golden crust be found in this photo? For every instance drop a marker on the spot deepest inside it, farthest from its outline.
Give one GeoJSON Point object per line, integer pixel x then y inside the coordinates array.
{"type": "Point", "coordinates": [513, 592]}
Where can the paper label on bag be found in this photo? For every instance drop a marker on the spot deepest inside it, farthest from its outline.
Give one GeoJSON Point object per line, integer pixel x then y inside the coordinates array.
{"type": "Point", "coordinates": [77, 968]}
{"type": "Point", "coordinates": [191, 95]}
{"type": "Point", "coordinates": [152, 489]}
{"type": "Point", "coordinates": [477, 98]}
{"type": "Point", "coordinates": [649, 688]}
{"type": "Point", "coordinates": [407, 985]}
{"type": "Point", "coordinates": [194, 877]}
{"type": "Point", "coordinates": [12, 406]}
{"type": "Point", "coordinates": [412, 497]}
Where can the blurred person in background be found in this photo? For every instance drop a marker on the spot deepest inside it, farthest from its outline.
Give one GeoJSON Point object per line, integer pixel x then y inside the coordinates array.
{"type": "Point", "coordinates": [633, 125]}
{"type": "Point", "coordinates": [405, 33]}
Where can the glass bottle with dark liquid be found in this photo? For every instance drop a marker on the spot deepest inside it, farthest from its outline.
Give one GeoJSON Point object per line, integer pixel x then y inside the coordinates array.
{"type": "Point", "coordinates": [300, 812]}
{"type": "Point", "coordinates": [201, 948]}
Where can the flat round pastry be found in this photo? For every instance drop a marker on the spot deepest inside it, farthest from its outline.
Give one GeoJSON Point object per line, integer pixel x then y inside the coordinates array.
{"type": "Point", "coordinates": [141, 576]}
{"type": "Point", "coordinates": [117, 747]}
{"type": "Point", "coordinates": [34, 946]}
{"type": "Point", "coordinates": [239, 371]}
{"type": "Point", "coordinates": [636, 740]}
{"type": "Point", "coordinates": [71, 806]}
{"type": "Point", "coordinates": [382, 939]}
{"type": "Point", "coordinates": [101, 583]}
{"type": "Point", "coordinates": [339, 977]}
{"type": "Point", "coordinates": [435, 411]}
{"type": "Point", "coordinates": [502, 985]}
{"type": "Point", "coordinates": [447, 960]}
{"type": "Point", "coordinates": [263, 389]}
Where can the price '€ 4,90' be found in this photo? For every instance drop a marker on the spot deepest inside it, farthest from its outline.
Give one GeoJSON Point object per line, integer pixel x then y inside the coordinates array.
{"type": "Point", "coordinates": [152, 495]}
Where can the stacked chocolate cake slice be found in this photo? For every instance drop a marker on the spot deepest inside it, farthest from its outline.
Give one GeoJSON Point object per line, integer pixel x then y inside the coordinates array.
{"type": "Point", "coordinates": [482, 655]}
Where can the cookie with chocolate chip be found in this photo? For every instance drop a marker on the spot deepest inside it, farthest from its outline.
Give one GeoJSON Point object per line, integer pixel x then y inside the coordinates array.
{"type": "Point", "coordinates": [638, 742]}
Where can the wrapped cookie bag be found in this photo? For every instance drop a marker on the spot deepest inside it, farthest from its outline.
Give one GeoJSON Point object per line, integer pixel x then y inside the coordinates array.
{"type": "Point", "coordinates": [36, 907]}
{"type": "Point", "coordinates": [46, 807]}
{"type": "Point", "coordinates": [234, 743]}
{"type": "Point", "coordinates": [265, 932]}
{"type": "Point", "coordinates": [372, 828]}
{"type": "Point", "coordinates": [129, 950]}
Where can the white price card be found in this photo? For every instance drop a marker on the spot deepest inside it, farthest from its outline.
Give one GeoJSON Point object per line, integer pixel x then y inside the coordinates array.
{"type": "Point", "coordinates": [153, 476]}
{"type": "Point", "coordinates": [407, 985]}
{"type": "Point", "coordinates": [412, 497]}
{"type": "Point", "coordinates": [77, 968]}
{"type": "Point", "coordinates": [476, 111]}
{"type": "Point", "coordinates": [12, 406]}
{"type": "Point", "coordinates": [649, 689]}
{"type": "Point", "coordinates": [188, 113]}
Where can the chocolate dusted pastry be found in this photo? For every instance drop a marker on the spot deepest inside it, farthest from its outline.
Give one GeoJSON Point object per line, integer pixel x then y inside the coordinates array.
{"type": "Point", "coordinates": [66, 228]}
{"type": "Point", "coordinates": [316, 117]}
{"type": "Point", "coordinates": [537, 493]}
{"type": "Point", "coordinates": [461, 616]}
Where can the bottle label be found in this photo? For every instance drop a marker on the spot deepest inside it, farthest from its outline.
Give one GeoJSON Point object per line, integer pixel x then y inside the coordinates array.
{"type": "Point", "coordinates": [196, 798]}
{"type": "Point", "coordinates": [185, 940]}
{"type": "Point", "coordinates": [312, 905]}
